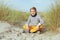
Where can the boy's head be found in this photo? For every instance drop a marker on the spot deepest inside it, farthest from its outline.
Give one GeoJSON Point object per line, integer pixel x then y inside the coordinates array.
{"type": "Point", "coordinates": [33, 11]}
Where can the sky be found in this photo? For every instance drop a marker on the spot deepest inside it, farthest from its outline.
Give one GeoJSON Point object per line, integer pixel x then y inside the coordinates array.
{"type": "Point", "coordinates": [25, 5]}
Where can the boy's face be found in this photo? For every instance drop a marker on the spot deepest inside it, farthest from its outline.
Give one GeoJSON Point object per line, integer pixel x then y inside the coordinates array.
{"type": "Point", "coordinates": [32, 11]}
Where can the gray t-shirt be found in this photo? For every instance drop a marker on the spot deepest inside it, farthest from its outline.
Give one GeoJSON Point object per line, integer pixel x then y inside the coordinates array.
{"type": "Point", "coordinates": [34, 20]}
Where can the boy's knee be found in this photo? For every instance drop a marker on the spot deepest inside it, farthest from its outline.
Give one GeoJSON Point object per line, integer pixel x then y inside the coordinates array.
{"type": "Point", "coordinates": [25, 27]}
{"type": "Point", "coordinates": [41, 27]}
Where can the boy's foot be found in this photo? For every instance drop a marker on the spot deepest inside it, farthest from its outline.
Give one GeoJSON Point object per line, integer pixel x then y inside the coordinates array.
{"type": "Point", "coordinates": [25, 31]}
{"type": "Point", "coordinates": [38, 32]}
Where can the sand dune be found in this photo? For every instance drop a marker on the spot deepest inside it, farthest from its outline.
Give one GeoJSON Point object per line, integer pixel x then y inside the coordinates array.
{"type": "Point", "coordinates": [10, 32]}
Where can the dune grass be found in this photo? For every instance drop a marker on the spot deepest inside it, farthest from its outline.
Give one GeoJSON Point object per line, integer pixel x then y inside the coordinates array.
{"type": "Point", "coordinates": [51, 17]}
{"type": "Point", "coordinates": [12, 16]}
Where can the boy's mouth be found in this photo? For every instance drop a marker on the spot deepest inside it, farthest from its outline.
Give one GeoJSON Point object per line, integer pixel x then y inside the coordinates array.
{"type": "Point", "coordinates": [33, 15]}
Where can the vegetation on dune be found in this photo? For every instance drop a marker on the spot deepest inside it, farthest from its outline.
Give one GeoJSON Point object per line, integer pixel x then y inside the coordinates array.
{"type": "Point", "coordinates": [12, 16]}
{"type": "Point", "coordinates": [51, 17]}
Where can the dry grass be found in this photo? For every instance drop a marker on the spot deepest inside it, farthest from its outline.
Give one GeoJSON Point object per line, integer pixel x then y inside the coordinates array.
{"type": "Point", "coordinates": [51, 17]}
{"type": "Point", "coordinates": [12, 16]}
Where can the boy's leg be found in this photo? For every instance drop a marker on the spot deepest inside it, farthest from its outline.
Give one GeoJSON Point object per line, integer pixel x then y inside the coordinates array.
{"type": "Point", "coordinates": [25, 28]}
{"type": "Point", "coordinates": [37, 28]}
{"type": "Point", "coordinates": [33, 29]}
{"type": "Point", "coordinates": [40, 27]}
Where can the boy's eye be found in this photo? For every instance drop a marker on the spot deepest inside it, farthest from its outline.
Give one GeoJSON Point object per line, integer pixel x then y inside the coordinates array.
{"type": "Point", "coordinates": [32, 11]}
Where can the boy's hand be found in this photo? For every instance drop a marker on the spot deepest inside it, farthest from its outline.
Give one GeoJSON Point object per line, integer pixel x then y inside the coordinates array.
{"type": "Point", "coordinates": [27, 27]}
{"type": "Point", "coordinates": [37, 28]}
{"type": "Point", "coordinates": [39, 24]}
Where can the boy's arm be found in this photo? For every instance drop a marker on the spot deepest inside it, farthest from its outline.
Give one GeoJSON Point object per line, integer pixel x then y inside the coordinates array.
{"type": "Point", "coordinates": [40, 20]}
{"type": "Point", "coordinates": [28, 21]}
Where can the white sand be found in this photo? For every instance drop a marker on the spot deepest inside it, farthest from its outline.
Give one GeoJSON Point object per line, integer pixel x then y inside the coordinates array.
{"type": "Point", "coordinates": [10, 32]}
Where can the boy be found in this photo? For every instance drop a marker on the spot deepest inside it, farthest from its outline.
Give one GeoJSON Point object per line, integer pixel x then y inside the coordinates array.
{"type": "Point", "coordinates": [34, 22]}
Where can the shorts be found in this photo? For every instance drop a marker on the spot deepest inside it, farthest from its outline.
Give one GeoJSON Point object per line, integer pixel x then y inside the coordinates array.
{"type": "Point", "coordinates": [33, 28]}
